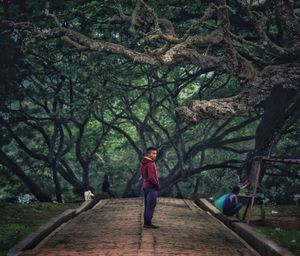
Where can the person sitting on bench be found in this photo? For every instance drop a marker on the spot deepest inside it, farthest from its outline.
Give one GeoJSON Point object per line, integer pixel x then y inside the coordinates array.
{"type": "Point", "coordinates": [231, 205]}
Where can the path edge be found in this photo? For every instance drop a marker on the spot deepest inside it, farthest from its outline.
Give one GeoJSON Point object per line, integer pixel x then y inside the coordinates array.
{"type": "Point", "coordinates": [256, 240]}
{"type": "Point", "coordinates": [33, 239]}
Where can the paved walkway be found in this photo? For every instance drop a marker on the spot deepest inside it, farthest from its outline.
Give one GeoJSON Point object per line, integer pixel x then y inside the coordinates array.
{"type": "Point", "coordinates": [114, 227]}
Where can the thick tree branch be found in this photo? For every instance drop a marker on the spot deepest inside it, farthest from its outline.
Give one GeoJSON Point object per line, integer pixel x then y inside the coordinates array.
{"type": "Point", "coordinates": [189, 49]}
{"type": "Point", "coordinates": [287, 76]}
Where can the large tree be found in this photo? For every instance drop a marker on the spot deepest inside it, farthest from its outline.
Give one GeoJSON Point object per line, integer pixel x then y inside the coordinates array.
{"type": "Point", "coordinates": [257, 42]}
{"type": "Point", "coordinates": [251, 48]}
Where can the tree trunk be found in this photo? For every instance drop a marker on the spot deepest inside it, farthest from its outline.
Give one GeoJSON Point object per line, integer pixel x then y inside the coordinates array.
{"type": "Point", "coordinates": [85, 176]}
{"type": "Point", "coordinates": [16, 170]}
{"type": "Point", "coordinates": [179, 193]}
{"type": "Point", "coordinates": [132, 182]}
{"type": "Point", "coordinates": [196, 186]}
{"type": "Point", "coordinates": [67, 173]}
{"type": "Point", "coordinates": [275, 121]}
{"type": "Point", "coordinates": [56, 185]}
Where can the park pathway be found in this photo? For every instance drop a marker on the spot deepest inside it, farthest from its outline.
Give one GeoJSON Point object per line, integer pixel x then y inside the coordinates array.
{"type": "Point", "coordinates": [114, 227]}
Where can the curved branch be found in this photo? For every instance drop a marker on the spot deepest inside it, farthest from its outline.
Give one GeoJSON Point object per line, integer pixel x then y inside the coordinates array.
{"type": "Point", "coordinates": [287, 76]}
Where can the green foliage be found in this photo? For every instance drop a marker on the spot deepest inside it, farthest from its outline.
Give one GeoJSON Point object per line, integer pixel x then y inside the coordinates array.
{"type": "Point", "coordinates": [10, 186]}
{"type": "Point", "coordinates": [128, 106]}
{"type": "Point", "coordinates": [276, 189]}
{"type": "Point", "coordinates": [215, 183]}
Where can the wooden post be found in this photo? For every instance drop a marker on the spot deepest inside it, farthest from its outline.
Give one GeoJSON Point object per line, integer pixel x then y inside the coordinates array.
{"type": "Point", "coordinates": [258, 169]}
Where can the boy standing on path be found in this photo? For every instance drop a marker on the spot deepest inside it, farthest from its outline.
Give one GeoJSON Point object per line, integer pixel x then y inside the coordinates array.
{"type": "Point", "coordinates": [150, 185]}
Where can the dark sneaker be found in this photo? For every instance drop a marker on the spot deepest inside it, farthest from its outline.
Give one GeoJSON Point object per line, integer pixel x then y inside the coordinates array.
{"type": "Point", "coordinates": [150, 226]}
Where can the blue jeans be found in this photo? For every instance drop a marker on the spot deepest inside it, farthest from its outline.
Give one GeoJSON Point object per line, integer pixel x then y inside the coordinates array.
{"type": "Point", "coordinates": [150, 198]}
{"type": "Point", "coordinates": [233, 211]}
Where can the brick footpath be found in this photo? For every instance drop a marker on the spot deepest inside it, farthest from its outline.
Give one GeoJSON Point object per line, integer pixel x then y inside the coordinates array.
{"type": "Point", "coordinates": [114, 227]}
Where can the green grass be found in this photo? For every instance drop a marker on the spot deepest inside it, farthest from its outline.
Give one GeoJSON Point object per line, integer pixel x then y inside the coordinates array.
{"type": "Point", "coordinates": [276, 210]}
{"type": "Point", "coordinates": [289, 239]}
{"type": "Point", "coordinates": [19, 220]}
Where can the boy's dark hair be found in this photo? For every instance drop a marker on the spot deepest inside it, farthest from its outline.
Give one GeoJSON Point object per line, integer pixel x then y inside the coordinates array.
{"type": "Point", "coordinates": [151, 149]}
{"type": "Point", "coordinates": [236, 189]}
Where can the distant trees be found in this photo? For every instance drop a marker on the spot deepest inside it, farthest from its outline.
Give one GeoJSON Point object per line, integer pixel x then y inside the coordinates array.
{"type": "Point", "coordinates": [150, 113]}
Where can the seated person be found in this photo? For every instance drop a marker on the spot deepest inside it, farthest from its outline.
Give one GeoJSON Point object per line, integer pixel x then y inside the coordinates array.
{"type": "Point", "coordinates": [106, 186]}
{"type": "Point", "coordinates": [231, 205]}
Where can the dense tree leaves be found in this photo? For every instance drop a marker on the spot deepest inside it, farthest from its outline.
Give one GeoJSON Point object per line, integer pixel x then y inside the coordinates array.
{"type": "Point", "coordinates": [87, 86]}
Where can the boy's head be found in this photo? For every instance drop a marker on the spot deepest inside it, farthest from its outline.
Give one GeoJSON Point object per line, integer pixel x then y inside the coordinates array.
{"type": "Point", "coordinates": [152, 153]}
{"type": "Point", "coordinates": [236, 190]}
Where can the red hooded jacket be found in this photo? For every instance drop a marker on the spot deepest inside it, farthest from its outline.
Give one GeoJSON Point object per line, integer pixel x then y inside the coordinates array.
{"type": "Point", "coordinates": [149, 174]}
